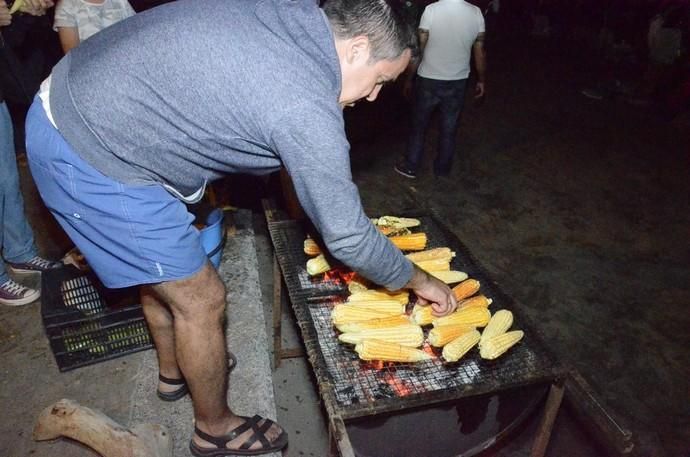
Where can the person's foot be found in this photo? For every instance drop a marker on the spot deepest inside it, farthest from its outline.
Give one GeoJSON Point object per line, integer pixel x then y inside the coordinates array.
{"type": "Point", "coordinates": [243, 436]}
{"type": "Point", "coordinates": [36, 264]}
{"type": "Point", "coordinates": [14, 294]}
{"type": "Point", "coordinates": [404, 170]}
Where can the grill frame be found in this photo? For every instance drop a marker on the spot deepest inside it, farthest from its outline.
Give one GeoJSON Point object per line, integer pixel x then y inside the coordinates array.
{"type": "Point", "coordinates": [309, 296]}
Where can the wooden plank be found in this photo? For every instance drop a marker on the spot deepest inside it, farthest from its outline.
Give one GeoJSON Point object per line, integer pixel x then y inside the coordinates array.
{"type": "Point", "coordinates": [339, 440]}
{"type": "Point", "coordinates": [291, 353]}
{"type": "Point", "coordinates": [553, 403]}
{"type": "Point", "coordinates": [602, 424]}
{"type": "Point", "coordinates": [277, 313]}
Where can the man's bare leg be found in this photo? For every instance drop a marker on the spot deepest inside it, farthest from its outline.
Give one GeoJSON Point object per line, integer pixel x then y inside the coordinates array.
{"type": "Point", "coordinates": [160, 323]}
{"type": "Point", "coordinates": [198, 307]}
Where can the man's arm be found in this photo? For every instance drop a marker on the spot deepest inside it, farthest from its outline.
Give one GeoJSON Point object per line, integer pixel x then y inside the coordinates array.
{"type": "Point", "coordinates": [69, 38]}
{"type": "Point", "coordinates": [423, 35]}
{"type": "Point", "coordinates": [480, 62]}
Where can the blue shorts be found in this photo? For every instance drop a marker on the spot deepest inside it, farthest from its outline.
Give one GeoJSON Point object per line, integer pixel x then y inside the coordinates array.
{"type": "Point", "coordinates": [129, 234]}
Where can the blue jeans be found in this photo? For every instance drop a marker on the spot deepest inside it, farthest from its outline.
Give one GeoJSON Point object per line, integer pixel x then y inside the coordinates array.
{"type": "Point", "coordinates": [449, 97]}
{"type": "Point", "coordinates": [16, 237]}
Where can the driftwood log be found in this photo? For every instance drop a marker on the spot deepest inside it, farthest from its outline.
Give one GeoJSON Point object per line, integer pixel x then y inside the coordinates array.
{"type": "Point", "coordinates": [101, 433]}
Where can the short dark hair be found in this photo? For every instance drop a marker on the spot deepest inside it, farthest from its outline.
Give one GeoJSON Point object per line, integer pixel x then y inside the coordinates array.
{"type": "Point", "coordinates": [388, 33]}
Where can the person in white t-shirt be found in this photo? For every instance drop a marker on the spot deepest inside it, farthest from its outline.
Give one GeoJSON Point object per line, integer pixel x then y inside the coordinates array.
{"type": "Point", "coordinates": [76, 20]}
{"type": "Point", "coordinates": [450, 32]}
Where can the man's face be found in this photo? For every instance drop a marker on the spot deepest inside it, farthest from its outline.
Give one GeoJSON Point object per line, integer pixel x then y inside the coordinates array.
{"type": "Point", "coordinates": [362, 78]}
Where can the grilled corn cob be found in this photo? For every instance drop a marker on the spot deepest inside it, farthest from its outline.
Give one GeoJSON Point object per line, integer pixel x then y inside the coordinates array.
{"type": "Point", "coordinates": [499, 323]}
{"type": "Point", "coordinates": [394, 221]}
{"type": "Point", "coordinates": [465, 289]}
{"type": "Point", "coordinates": [477, 300]}
{"type": "Point", "coordinates": [317, 265]}
{"type": "Point", "coordinates": [343, 314]}
{"type": "Point", "coordinates": [411, 242]}
{"type": "Point", "coordinates": [454, 350]}
{"type": "Point", "coordinates": [381, 322]}
{"type": "Point", "coordinates": [497, 345]}
{"type": "Point", "coordinates": [409, 335]}
{"type": "Point", "coordinates": [311, 248]}
{"type": "Point", "coordinates": [449, 277]}
{"type": "Point", "coordinates": [475, 316]}
{"type": "Point", "coordinates": [390, 307]}
{"type": "Point", "coordinates": [421, 315]}
{"type": "Point", "coordinates": [444, 334]}
{"type": "Point", "coordinates": [431, 254]}
{"type": "Point", "coordinates": [401, 296]}
{"type": "Point", "coordinates": [389, 352]}
{"type": "Point", "coordinates": [433, 265]}
{"type": "Point", "coordinates": [393, 231]}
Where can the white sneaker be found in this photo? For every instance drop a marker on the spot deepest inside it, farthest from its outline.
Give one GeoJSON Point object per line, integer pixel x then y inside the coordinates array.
{"type": "Point", "coordinates": [14, 294]}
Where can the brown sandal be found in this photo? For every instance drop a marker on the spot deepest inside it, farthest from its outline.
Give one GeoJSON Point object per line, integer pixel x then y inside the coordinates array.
{"type": "Point", "coordinates": [184, 390]}
{"type": "Point", "coordinates": [258, 434]}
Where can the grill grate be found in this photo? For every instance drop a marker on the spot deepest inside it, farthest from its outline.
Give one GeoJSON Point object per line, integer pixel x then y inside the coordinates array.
{"type": "Point", "coordinates": [357, 382]}
{"type": "Point", "coordinates": [287, 239]}
{"type": "Point", "coordinates": [354, 388]}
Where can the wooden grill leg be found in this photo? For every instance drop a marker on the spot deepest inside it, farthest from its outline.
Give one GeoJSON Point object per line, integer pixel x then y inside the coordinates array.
{"type": "Point", "coordinates": [338, 439]}
{"type": "Point", "coordinates": [278, 352]}
{"type": "Point", "coordinates": [553, 403]}
{"type": "Point", "coordinates": [277, 313]}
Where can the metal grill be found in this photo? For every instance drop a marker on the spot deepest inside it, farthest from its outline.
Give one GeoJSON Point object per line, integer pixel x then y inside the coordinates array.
{"type": "Point", "coordinates": [354, 388]}
{"type": "Point", "coordinates": [288, 238]}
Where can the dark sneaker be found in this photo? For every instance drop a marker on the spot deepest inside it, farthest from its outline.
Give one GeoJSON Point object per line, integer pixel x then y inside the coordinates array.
{"type": "Point", "coordinates": [405, 171]}
{"type": "Point", "coordinates": [36, 264]}
{"type": "Point", "coordinates": [13, 294]}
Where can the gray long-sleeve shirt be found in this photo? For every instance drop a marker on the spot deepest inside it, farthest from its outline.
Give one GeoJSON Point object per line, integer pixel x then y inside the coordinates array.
{"type": "Point", "coordinates": [187, 92]}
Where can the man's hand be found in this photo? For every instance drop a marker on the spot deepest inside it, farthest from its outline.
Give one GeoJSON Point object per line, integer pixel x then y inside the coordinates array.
{"type": "Point", "coordinates": [479, 90]}
{"type": "Point", "coordinates": [36, 7]}
{"type": "Point", "coordinates": [430, 290]}
{"type": "Point", "coordinates": [5, 16]}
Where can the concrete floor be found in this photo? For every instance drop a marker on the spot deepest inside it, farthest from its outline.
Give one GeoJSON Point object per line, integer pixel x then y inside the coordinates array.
{"type": "Point", "coordinates": [577, 208]}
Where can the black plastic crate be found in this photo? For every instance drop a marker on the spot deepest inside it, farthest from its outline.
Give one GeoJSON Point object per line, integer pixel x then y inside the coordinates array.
{"type": "Point", "coordinates": [88, 323]}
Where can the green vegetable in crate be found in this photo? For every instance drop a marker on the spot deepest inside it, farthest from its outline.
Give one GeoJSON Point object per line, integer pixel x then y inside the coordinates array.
{"type": "Point", "coordinates": [80, 338]}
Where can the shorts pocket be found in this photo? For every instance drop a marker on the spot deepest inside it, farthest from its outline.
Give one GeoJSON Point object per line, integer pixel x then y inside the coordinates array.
{"type": "Point", "coordinates": [63, 195]}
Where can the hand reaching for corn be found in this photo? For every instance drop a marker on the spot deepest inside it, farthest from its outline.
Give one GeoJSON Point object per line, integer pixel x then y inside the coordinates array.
{"type": "Point", "coordinates": [433, 292]}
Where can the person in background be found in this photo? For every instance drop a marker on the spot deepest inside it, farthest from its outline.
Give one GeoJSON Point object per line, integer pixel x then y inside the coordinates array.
{"type": "Point", "coordinates": [76, 20]}
{"type": "Point", "coordinates": [450, 31]}
{"type": "Point", "coordinates": [116, 166]}
{"type": "Point", "coordinates": [16, 238]}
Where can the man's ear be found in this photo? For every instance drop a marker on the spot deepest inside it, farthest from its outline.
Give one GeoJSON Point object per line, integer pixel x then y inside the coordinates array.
{"type": "Point", "coordinates": [358, 49]}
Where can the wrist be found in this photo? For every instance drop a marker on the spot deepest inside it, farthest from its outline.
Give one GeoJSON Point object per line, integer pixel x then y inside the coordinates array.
{"type": "Point", "coordinates": [419, 278]}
